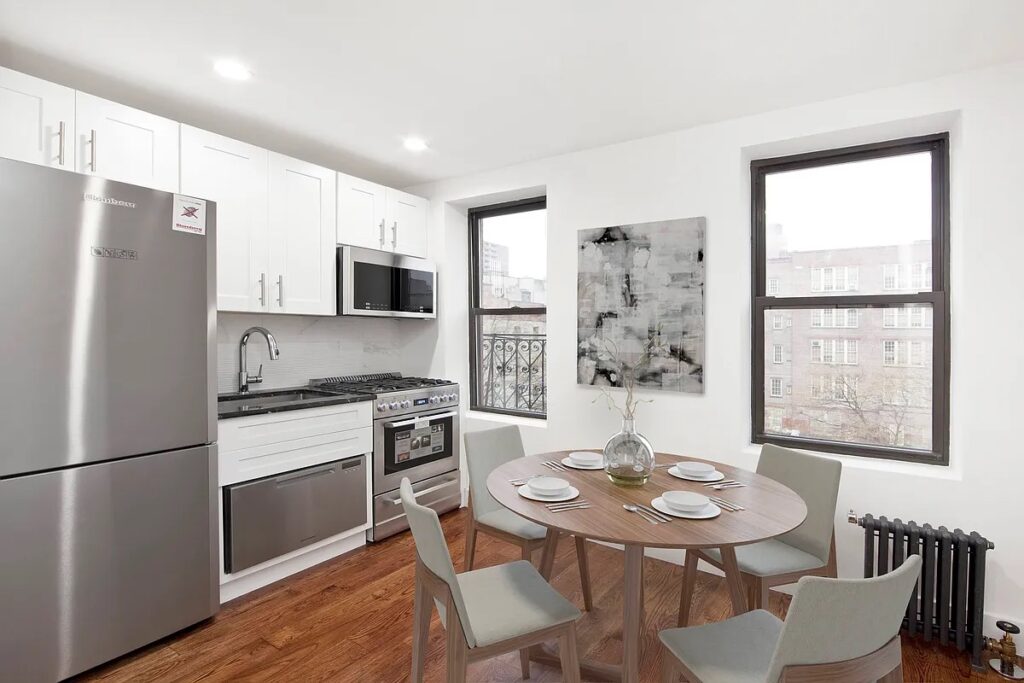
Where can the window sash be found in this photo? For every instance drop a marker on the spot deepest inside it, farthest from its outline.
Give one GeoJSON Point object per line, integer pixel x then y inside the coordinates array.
{"type": "Point", "coordinates": [937, 296]}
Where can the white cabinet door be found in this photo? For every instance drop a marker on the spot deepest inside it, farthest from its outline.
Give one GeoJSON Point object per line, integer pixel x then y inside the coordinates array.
{"type": "Point", "coordinates": [302, 237]}
{"type": "Point", "coordinates": [361, 208]}
{"type": "Point", "coordinates": [125, 144]}
{"type": "Point", "coordinates": [37, 120]}
{"type": "Point", "coordinates": [407, 223]}
{"type": "Point", "coordinates": [233, 174]}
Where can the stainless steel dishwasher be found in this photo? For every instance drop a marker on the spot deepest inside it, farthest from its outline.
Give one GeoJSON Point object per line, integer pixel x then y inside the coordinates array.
{"type": "Point", "coordinates": [268, 517]}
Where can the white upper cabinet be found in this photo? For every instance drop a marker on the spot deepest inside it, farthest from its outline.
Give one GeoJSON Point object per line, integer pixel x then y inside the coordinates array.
{"type": "Point", "coordinates": [361, 208]}
{"type": "Point", "coordinates": [120, 143]}
{"type": "Point", "coordinates": [234, 175]}
{"type": "Point", "coordinates": [378, 217]}
{"type": "Point", "coordinates": [37, 120]}
{"type": "Point", "coordinates": [302, 237]}
{"type": "Point", "coordinates": [407, 221]}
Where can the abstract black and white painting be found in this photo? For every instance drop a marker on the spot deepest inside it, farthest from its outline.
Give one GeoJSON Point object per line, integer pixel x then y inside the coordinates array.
{"type": "Point", "coordinates": [637, 283]}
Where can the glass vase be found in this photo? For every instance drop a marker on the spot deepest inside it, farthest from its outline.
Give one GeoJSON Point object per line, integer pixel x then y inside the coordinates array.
{"type": "Point", "coordinates": [628, 457]}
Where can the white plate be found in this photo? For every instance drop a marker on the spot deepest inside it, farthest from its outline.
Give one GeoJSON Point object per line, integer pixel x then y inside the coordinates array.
{"type": "Point", "coordinates": [693, 468]}
{"type": "Point", "coordinates": [569, 463]}
{"type": "Point", "coordinates": [685, 501]}
{"type": "Point", "coordinates": [709, 512]}
{"type": "Point", "coordinates": [547, 486]}
{"type": "Point", "coordinates": [530, 495]}
{"type": "Point", "coordinates": [718, 476]}
{"type": "Point", "coordinates": [588, 456]}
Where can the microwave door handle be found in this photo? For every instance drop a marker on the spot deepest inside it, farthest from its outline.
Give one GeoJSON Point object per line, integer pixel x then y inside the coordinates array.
{"type": "Point", "coordinates": [424, 418]}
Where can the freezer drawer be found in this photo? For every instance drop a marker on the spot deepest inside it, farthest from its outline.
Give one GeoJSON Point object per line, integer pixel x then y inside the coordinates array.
{"type": "Point", "coordinates": [440, 494]}
{"type": "Point", "coordinates": [96, 561]}
{"type": "Point", "coordinates": [269, 517]}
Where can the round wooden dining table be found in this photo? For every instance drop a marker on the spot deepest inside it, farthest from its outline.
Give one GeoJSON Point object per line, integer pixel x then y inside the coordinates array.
{"type": "Point", "coordinates": [769, 509]}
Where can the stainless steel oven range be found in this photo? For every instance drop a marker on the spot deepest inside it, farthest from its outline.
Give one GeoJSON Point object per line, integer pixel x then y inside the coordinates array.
{"type": "Point", "coordinates": [415, 435]}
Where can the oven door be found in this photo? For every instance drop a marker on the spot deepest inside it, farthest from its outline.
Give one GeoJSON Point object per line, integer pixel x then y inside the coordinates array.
{"type": "Point", "coordinates": [414, 446]}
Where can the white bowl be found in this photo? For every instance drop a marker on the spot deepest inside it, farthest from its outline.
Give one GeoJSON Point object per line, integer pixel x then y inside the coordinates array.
{"type": "Point", "coordinates": [685, 501]}
{"type": "Point", "coordinates": [548, 486]}
{"type": "Point", "coordinates": [695, 469]}
{"type": "Point", "coordinates": [586, 458]}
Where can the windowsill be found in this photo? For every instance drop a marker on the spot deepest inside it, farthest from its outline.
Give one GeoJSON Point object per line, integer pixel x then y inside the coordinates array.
{"type": "Point", "coordinates": [916, 469]}
{"type": "Point", "coordinates": [535, 422]}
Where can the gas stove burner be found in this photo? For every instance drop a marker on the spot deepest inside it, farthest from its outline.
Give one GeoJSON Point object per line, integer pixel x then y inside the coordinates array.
{"type": "Point", "coordinates": [381, 383]}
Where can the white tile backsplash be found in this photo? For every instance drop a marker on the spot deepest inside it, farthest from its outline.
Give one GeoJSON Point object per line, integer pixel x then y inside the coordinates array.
{"type": "Point", "coordinates": [321, 347]}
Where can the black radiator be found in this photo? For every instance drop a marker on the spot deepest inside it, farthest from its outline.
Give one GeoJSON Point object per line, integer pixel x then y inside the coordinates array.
{"type": "Point", "coordinates": [948, 603]}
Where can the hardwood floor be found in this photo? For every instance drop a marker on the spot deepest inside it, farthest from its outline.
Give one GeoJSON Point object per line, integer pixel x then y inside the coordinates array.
{"type": "Point", "coordinates": [350, 619]}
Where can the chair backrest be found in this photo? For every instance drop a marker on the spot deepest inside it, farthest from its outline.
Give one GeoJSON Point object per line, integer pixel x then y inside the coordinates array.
{"type": "Point", "coordinates": [835, 620]}
{"type": "Point", "coordinates": [814, 479]}
{"type": "Point", "coordinates": [485, 451]}
{"type": "Point", "coordinates": [433, 551]}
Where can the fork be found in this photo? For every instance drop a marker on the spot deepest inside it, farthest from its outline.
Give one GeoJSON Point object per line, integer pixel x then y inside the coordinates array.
{"type": "Point", "coordinates": [523, 480]}
{"type": "Point", "coordinates": [723, 482]}
{"type": "Point", "coordinates": [572, 503]}
{"type": "Point", "coordinates": [554, 465]}
{"type": "Point", "coordinates": [725, 504]}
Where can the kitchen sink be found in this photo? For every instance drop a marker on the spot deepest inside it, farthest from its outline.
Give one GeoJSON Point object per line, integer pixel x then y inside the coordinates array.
{"type": "Point", "coordinates": [261, 400]}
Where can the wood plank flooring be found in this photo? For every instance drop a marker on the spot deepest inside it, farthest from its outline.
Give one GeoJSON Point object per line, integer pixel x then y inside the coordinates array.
{"type": "Point", "coordinates": [350, 619]}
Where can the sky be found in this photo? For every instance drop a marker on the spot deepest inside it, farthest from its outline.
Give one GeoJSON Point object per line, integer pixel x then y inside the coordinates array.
{"type": "Point", "coordinates": [864, 203]}
{"type": "Point", "coordinates": [525, 235]}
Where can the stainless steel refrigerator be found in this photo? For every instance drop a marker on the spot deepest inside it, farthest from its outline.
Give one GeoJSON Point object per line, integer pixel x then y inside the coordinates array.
{"type": "Point", "coordinates": [108, 538]}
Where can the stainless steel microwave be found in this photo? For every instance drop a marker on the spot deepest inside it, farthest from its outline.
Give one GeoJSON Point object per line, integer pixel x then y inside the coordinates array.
{"type": "Point", "coordinates": [386, 285]}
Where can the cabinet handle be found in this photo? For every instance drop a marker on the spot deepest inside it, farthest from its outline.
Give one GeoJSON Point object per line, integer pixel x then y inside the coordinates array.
{"type": "Point", "coordinates": [263, 289]}
{"type": "Point", "coordinates": [92, 150]}
{"type": "Point", "coordinates": [394, 235]}
{"type": "Point", "coordinates": [280, 290]}
{"type": "Point", "coordinates": [60, 143]}
{"type": "Point", "coordinates": [381, 233]}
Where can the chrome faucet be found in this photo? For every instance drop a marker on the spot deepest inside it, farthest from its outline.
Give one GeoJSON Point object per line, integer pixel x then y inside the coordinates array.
{"type": "Point", "coordinates": [244, 378]}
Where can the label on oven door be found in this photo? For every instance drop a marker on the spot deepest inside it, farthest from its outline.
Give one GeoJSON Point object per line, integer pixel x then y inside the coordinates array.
{"type": "Point", "coordinates": [419, 442]}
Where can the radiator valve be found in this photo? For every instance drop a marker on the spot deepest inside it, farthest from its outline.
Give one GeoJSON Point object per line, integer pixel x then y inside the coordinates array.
{"type": "Point", "coordinates": [1006, 664]}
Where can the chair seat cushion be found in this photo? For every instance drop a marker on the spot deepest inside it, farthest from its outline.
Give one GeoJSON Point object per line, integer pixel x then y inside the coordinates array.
{"type": "Point", "coordinates": [510, 600]}
{"type": "Point", "coordinates": [737, 650]}
{"type": "Point", "coordinates": [509, 522]}
{"type": "Point", "coordinates": [770, 558]}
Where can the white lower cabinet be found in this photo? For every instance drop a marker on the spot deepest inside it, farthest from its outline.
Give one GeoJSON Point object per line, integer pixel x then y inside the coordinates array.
{"type": "Point", "coordinates": [285, 478]}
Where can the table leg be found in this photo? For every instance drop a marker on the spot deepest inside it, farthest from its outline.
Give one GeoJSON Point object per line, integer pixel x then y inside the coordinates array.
{"type": "Point", "coordinates": [734, 580]}
{"type": "Point", "coordinates": [547, 557]}
{"type": "Point", "coordinates": [631, 613]}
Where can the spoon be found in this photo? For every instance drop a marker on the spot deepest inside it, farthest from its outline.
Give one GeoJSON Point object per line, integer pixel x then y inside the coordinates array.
{"type": "Point", "coordinates": [634, 508]}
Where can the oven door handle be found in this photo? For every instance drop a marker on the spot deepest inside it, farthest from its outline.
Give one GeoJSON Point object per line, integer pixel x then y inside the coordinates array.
{"type": "Point", "coordinates": [424, 418]}
{"type": "Point", "coordinates": [417, 494]}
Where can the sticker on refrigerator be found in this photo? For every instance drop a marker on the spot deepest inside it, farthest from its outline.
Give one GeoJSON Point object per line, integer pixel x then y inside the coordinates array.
{"type": "Point", "coordinates": [189, 215]}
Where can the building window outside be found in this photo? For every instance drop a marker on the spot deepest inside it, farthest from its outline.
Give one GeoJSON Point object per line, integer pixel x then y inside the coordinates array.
{"type": "Point", "coordinates": [777, 353]}
{"type": "Point", "coordinates": [508, 314]}
{"type": "Point", "coordinates": [860, 236]}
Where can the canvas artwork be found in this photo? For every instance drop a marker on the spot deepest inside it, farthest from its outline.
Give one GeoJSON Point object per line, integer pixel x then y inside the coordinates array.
{"type": "Point", "coordinates": [641, 287]}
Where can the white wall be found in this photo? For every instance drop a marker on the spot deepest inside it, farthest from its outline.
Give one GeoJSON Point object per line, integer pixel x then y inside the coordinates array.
{"type": "Point", "coordinates": [704, 171]}
{"type": "Point", "coordinates": [314, 347]}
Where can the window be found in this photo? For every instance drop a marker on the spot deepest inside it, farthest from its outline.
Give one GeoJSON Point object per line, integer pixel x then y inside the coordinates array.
{"type": "Point", "coordinates": [861, 237]}
{"type": "Point", "coordinates": [777, 354]}
{"type": "Point", "coordinates": [508, 316]}
{"type": "Point", "coordinates": [773, 286]}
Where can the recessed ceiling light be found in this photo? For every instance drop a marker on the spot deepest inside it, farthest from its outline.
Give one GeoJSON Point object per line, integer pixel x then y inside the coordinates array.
{"type": "Point", "coordinates": [414, 144]}
{"type": "Point", "coordinates": [232, 69]}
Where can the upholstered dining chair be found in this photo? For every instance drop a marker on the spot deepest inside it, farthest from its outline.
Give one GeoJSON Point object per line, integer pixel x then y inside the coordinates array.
{"type": "Point", "coordinates": [843, 630]}
{"type": "Point", "coordinates": [485, 612]}
{"type": "Point", "coordinates": [808, 550]}
{"type": "Point", "coordinates": [486, 450]}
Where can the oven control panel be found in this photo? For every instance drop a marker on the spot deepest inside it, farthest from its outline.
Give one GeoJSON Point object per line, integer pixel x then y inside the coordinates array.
{"type": "Point", "coordinates": [404, 402]}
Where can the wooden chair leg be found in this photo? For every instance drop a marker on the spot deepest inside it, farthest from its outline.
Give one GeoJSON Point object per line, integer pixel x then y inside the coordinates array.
{"type": "Point", "coordinates": [524, 663]}
{"type": "Point", "coordinates": [832, 566]}
{"type": "Point", "coordinates": [894, 676]}
{"type": "Point", "coordinates": [670, 670]}
{"type": "Point", "coordinates": [422, 608]}
{"type": "Point", "coordinates": [686, 595]}
{"type": "Point", "coordinates": [584, 564]}
{"type": "Point", "coordinates": [455, 644]}
{"type": "Point", "coordinates": [569, 655]}
{"type": "Point", "coordinates": [526, 552]}
{"type": "Point", "coordinates": [470, 541]}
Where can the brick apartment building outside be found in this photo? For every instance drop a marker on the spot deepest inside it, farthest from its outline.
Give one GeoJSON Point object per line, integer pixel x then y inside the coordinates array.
{"type": "Point", "coordinates": [855, 375]}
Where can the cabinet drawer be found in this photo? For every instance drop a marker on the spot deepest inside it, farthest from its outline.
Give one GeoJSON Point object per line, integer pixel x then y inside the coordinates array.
{"type": "Point", "coordinates": [276, 515]}
{"type": "Point", "coordinates": [278, 428]}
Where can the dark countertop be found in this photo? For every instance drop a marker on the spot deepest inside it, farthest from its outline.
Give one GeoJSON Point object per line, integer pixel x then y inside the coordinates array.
{"type": "Point", "coordinates": [281, 400]}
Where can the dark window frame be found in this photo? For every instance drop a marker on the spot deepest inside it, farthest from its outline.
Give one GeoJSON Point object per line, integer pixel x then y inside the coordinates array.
{"type": "Point", "coordinates": [476, 312]}
{"type": "Point", "coordinates": [937, 145]}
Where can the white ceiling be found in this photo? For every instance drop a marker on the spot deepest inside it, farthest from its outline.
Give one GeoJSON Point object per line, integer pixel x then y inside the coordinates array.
{"type": "Point", "coordinates": [490, 83]}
